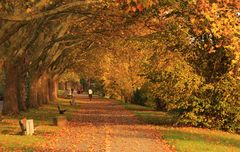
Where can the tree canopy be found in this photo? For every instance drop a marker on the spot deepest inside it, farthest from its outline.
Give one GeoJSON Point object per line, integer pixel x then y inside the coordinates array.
{"type": "Point", "coordinates": [187, 53]}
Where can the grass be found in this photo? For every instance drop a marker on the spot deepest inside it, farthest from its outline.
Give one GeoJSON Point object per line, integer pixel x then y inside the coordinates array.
{"type": "Point", "coordinates": [186, 139]}
{"type": "Point", "coordinates": [16, 142]}
{"type": "Point", "coordinates": [12, 140]}
{"type": "Point", "coordinates": [201, 140]}
{"type": "Point", "coordinates": [151, 116]}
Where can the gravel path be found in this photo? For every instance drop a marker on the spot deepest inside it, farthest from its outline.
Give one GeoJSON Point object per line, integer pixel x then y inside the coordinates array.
{"type": "Point", "coordinates": [105, 126]}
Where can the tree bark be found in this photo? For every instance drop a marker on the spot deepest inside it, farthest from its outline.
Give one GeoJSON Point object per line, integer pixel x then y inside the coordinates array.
{"type": "Point", "coordinates": [28, 17]}
{"type": "Point", "coordinates": [40, 93]}
{"type": "Point", "coordinates": [43, 96]}
{"type": "Point", "coordinates": [10, 104]}
{"type": "Point", "coordinates": [21, 92]}
{"type": "Point", "coordinates": [53, 88]}
{"type": "Point", "coordinates": [33, 96]}
{"type": "Point", "coordinates": [46, 90]}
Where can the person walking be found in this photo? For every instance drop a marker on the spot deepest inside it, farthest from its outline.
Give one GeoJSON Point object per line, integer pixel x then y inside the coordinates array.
{"type": "Point", "coordinates": [90, 92]}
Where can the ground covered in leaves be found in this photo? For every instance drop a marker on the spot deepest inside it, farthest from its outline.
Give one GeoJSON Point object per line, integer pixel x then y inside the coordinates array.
{"type": "Point", "coordinates": [104, 125]}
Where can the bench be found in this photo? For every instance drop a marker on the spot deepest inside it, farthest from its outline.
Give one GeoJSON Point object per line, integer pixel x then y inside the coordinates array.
{"type": "Point", "coordinates": [61, 111]}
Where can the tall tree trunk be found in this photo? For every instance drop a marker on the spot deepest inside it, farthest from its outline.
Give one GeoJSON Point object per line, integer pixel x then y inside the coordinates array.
{"type": "Point", "coordinates": [40, 93]}
{"type": "Point", "coordinates": [21, 92]}
{"type": "Point", "coordinates": [45, 89]}
{"type": "Point", "coordinates": [53, 88]}
{"type": "Point", "coordinates": [33, 96]}
{"type": "Point", "coordinates": [43, 95]}
{"type": "Point", "coordinates": [10, 104]}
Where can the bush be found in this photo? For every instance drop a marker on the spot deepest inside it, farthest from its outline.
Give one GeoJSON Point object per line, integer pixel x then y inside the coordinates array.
{"type": "Point", "coordinates": [171, 82]}
{"type": "Point", "coordinates": [178, 87]}
{"type": "Point", "coordinates": [215, 105]}
{"type": "Point", "coordinates": [139, 97]}
{"type": "Point", "coordinates": [143, 96]}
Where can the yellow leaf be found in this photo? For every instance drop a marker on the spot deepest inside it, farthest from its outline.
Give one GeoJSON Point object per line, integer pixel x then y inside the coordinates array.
{"type": "Point", "coordinates": [29, 10]}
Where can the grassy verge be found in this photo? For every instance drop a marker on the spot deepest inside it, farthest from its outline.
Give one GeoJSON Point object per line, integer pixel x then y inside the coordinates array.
{"type": "Point", "coordinates": [186, 139]}
{"type": "Point", "coordinates": [151, 116]}
{"type": "Point", "coordinates": [12, 140]}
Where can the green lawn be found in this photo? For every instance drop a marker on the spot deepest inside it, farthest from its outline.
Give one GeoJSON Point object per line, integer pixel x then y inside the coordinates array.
{"type": "Point", "coordinates": [12, 140]}
{"type": "Point", "coordinates": [201, 140]}
{"type": "Point", "coordinates": [186, 139]}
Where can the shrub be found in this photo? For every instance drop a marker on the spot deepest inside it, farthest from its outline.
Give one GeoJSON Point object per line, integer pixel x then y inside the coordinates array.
{"type": "Point", "coordinates": [215, 105]}
{"type": "Point", "coordinates": [139, 97]}
{"type": "Point", "coordinates": [171, 82]}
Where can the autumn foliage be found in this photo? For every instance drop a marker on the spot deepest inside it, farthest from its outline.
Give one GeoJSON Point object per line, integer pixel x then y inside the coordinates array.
{"type": "Point", "coordinates": [187, 53]}
{"type": "Point", "coordinates": [203, 87]}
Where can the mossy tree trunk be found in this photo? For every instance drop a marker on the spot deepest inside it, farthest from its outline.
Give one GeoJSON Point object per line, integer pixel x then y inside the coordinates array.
{"type": "Point", "coordinates": [10, 104]}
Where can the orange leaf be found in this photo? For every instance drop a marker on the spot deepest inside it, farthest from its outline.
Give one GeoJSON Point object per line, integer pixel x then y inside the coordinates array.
{"type": "Point", "coordinates": [139, 7]}
{"type": "Point", "coordinates": [134, 9]}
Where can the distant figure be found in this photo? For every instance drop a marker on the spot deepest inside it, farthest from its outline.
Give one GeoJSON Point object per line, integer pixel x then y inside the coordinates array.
{"type": "Point", "coordinates": [72, 91]}
{"type": "Point", "coordinates": [90, 92]}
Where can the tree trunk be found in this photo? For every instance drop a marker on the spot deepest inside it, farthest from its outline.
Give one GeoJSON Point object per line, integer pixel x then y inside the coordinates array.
{"type": "Point", "coordinates": [53, 88]}
{"type": "Point", "coordinates": [40, 94]}
{"type": "Point", "coordinates": [10, 104]}
{"type": "Point", "coordinates": [45, 90]}
{"type": "Point", "coordinates": [33, 96]}
{"type": "Point", "coordinates": [21, 93]}
{"type": "Point", "coordinates": [39, 91]}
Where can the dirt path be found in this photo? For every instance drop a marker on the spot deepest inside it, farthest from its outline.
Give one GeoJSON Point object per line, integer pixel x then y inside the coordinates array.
{"type": "Point", "coordinates": [105, 126]}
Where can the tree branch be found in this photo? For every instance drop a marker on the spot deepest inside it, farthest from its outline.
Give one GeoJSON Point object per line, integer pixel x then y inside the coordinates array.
{"type": "Point", "coordinates": [9, 31]}
{"type": "Point", "coordinates": [28, 17]}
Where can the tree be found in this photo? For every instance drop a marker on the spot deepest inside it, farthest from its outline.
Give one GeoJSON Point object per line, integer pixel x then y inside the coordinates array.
{"type": "Point", "coordinates": [121, 69]}
{"type": "Point", "coordinates": [207, 40]}
{"type": "Point", "coordinates": [38, 53]}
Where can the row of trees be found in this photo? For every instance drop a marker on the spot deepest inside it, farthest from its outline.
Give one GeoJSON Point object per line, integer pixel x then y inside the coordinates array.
{"type": "Point", "coordinates": [196, 72]}
{"type": "Point", "coordinates": [185, 58]}
{"type": "Point", "coordinates": [40, 39]}
{"type": "Point", "coordinates": [184, 54]}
